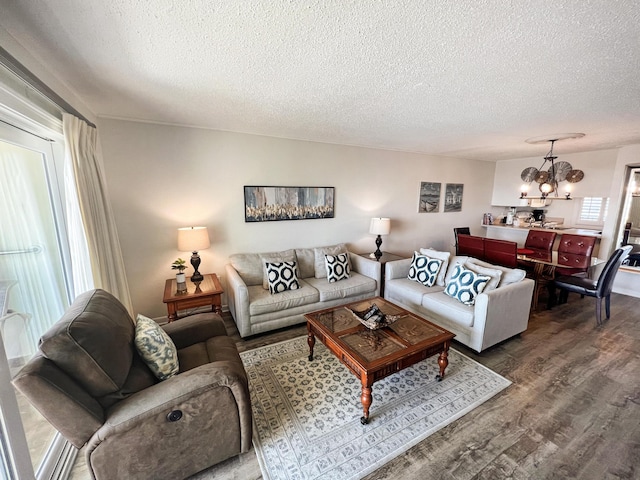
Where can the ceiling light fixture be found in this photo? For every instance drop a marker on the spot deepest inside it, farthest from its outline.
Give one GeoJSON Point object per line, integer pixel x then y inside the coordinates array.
{"type": "Point", "coordinates": [548, 180]}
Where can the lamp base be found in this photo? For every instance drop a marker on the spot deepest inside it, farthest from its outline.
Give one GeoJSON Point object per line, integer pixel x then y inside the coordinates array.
{"type": "Point", "coordinates": [378, 253]}
{"type": "Point", "coordinates": [195, 262]}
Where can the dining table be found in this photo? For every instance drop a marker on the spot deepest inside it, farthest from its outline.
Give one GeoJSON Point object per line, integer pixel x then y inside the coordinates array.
{"type": "Point", "coordinates": [543, 269]}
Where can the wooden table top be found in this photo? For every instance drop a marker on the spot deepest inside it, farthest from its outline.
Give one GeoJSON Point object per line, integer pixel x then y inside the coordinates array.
{"type": "Point", "coordinates": [402, 338]}
{"type": "Point", "coordinates": [210, 285]}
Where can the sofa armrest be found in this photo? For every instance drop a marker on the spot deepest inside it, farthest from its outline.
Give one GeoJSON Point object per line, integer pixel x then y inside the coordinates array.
{"type": "Point", "coordinates": [397, 269]}
{"type": "Point", "coordinates": [503, 312]}
{"type": "Point", "coordinates": [195, 329]}
{"type": "Point", "coordinates": [368, 267]}
{"type": "Point", "coordinates": [238, 299]}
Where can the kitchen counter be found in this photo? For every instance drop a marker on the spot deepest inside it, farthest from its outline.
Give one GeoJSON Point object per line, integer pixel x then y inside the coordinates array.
{"type": "Point", "coordinates": [558, 230]}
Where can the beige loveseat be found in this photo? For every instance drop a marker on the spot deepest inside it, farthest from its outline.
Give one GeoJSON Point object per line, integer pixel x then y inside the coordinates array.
{"type": "Point", "coordinates": [256, 310]}
{"type": "Point", "coordinates": [89, 381]}
{"type": "Point", "coordinates": [500, 311]}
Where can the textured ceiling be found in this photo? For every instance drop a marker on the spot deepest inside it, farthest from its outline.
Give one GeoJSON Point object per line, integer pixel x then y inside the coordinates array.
{"type": "Point", "coordinates": [470, 79]}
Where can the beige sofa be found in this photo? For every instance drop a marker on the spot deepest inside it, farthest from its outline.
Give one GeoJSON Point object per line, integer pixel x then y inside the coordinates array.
{"type": "Point", "coordinates": [498, 313]}
{"type": "Point", "coordinates": [256, 310]}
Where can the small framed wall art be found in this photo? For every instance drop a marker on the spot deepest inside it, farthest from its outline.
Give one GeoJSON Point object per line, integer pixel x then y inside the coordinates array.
{"type": "Point", "coordinates": [266, 204]}
{"type": "Point", "coordinates": [453, 197]}
{"type": "Point", "coordinates": [429, 201]}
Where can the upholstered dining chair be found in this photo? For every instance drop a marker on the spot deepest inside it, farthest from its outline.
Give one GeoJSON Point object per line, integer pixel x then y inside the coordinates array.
{"type": "Point", "coordinates": [538, 242]}
{"type": "Point", "coordinates": [460, 230]}
{"type": "Point", "coordinates": [574, 254]}
{"type": "Point", "coordinates": [470, 245]}
{"type": "Point", "coordinates": [600, 288]}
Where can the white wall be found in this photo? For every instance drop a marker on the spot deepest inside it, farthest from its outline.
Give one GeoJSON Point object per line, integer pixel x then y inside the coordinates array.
{"type": "Point", "coordinates": [598, 167]}
{"type": "Point", "coordinates": [163, 177]}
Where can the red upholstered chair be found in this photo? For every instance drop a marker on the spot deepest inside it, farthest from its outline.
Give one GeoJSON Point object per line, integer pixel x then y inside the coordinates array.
{"type": "Point", "coordinates": [471, 246]}
{"type": "Point", "coordinates": [574, 254]}
{"type": "Point", "coordinates": [538, 244]}
{"type": "Point", "coordinates": [501, 252]}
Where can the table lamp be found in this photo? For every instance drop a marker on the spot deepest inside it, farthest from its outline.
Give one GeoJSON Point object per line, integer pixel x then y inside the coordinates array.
{"type": "Point", "coordinates": [192, 239]}
{"type": "Point", "coordinates": [379, 226]}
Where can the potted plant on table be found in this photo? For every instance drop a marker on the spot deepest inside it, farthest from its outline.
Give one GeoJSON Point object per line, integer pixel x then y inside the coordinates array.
{"type": "Point", "coordinates": [181, 266]}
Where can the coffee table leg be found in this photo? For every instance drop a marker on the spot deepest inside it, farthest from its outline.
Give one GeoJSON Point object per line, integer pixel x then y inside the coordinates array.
{"type": "Point", "coordinates": [443, 361]}
{"type": "Point", "coordinates": [365, 398]}
{"type": "Point", "coordinates": [311, 340]}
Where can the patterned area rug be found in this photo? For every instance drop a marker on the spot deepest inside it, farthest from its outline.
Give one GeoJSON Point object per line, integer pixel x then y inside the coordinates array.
{"type": "Point", "coordinates": [307, 414]}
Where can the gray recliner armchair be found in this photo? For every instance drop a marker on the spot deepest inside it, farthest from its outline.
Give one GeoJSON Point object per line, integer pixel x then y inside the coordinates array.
{"type": "Point", "coordinates": [90, 383]}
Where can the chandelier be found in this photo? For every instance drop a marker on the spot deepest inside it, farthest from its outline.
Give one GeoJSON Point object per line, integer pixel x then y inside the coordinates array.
{"type": "Point", "coordinates": [548, 181]}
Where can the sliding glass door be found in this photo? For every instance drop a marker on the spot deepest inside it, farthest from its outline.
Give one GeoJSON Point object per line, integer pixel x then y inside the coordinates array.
{"type": "Point", "coordinates": [35, 286]}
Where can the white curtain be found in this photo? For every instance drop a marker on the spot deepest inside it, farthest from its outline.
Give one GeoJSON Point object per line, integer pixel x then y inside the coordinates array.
{"type": "Point", "coordinates": [107, 264]}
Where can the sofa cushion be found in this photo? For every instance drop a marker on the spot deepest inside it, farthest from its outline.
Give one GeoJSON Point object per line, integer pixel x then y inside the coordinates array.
{"type": "Point", "coordinates": [272, 257]}
{"type": "Point", "coordinates": [320, 268]}
{"type": "Point", "coordinates": [214, 349]}
{"type": "Point", "coordinates": [464, 285]}
{"type": "Point", "coordinates": [140, 377]}
{"type": "Point", "coordinates": [357, 284]}
{"type": "Point", "coordinates": [249, 267]}
{"type": "Point", "coordinates": [306, 259]}
{"type": "Point", "coordinates": [338, 267]}
{"type": "Point", "coordinates": [494, 273]}
{"type": "Point", "coordinates": [282, 276]}
{"type": "Point", "coordinates": [441, 305]}
{"type": "Point", "coordinates": [509, 275]}
{"type": "Point", "coordinates": [156, 348]}
{"type": "Point", "coordinates": [424, 269]}
{"type": "Point", "coordinates": [444, 256]}
{"type": "Point", "coordinates": [404, 290]}
{"type": "Point", "coordinates": [93, 342]}
{"type": "Point", "coordinates": [261, 301]}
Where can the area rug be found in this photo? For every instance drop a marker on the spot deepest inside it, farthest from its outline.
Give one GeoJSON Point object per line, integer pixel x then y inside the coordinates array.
{"type": "Point", "coordinates": [307, 414]}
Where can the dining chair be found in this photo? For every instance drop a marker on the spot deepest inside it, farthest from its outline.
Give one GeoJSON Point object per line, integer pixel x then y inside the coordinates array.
{"type": "Point", "coordinates": [460, 230]}
{"type": "Point", "coordinates": [600, 288]}
{"type": "Point", "coordinates": [471, 246]}
{"type": "Point", "coordinates": [574, 254]}
{"type": "Point", "coordinates": [538, 242]}
{"type": "Point", "coordinates": [501, 252]}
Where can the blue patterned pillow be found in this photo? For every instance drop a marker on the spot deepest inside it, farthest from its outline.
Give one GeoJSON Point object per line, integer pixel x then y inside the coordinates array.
{"type": "Point", "coordinates": [424, 269]}
{"type": "Point", "coordinates": [464, 285]}
{"type": "Point", "coordinates": [156, 348]}
{"type": "Point", "coordinates": [282, 276]}
{"type": "Point", "coordinates": [337, 267]}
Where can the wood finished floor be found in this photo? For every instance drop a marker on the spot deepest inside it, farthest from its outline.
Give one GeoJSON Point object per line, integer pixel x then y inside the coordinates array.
{"type": "Point", "coordinates": [573, 410]}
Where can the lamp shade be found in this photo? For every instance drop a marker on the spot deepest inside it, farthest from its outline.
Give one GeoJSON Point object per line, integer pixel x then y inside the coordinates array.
{"type": "Point", "coordinates": [192, 239]}
{"type": "Point", "coordinates": [380, 226]}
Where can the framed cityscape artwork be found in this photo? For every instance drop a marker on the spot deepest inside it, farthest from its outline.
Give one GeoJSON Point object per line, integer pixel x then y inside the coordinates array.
{"type": "Point", "coordinates": [266, 204]}
{"type": "Point", "coordinates": [429, 201]}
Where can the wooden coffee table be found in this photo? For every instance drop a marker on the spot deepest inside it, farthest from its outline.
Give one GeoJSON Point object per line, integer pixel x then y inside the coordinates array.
{"type": "Point", "coordinates": [374, 354]}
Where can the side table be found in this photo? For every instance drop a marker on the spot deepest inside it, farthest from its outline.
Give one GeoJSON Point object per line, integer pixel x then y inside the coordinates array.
{"type": "Point", "coordinates": [386, 257]}
{"type": "Point", "coordinates": [199, 294]}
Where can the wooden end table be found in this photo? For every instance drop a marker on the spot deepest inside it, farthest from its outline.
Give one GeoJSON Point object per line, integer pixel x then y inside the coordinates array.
{"type": "Point", "coordinates": [375, 354]}
{"type": "Point", "coordinates": [198, 294]}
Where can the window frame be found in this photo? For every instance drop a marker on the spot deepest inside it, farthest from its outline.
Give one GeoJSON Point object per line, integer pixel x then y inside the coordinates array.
{"type": "Point", "coordinates": [601, 212]}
